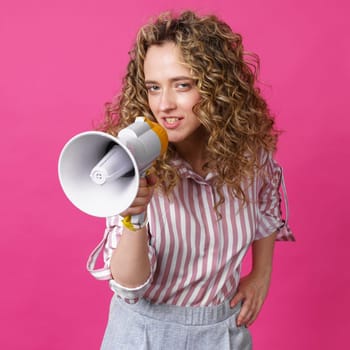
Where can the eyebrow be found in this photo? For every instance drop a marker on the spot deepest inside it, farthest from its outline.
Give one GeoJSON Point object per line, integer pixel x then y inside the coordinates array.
{"type": "Point", "coordinates": [175, 79]}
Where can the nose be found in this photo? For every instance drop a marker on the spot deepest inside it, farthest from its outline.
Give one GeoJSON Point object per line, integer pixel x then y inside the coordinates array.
{"type": "Point", "coordinates": [167, 100]}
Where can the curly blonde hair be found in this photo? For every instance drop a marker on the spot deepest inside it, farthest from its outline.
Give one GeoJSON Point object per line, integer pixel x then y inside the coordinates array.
{"type": "Point", "coordinates": [231, 109]}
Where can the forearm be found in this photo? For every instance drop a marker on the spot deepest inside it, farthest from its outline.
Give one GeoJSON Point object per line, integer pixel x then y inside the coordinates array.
{"type": "Point", "coordinates": [253, 288]}
{"type": "Point", "coordinates": [262, 256]}
{"type": "Point", "coordinates": [130, 265]}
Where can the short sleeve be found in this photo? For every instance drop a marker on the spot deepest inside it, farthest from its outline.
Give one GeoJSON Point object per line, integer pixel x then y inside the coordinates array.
{"type": "Point", "coordinates": [270, 217]}
{"type": "Point", "coordinates": [109, 242]}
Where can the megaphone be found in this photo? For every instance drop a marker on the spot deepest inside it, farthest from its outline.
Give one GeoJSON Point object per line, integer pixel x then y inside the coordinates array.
{"type": "Point", "coordinates": [100, 173]}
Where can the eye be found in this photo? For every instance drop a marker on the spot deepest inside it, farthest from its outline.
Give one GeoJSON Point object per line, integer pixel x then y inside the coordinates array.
{"type": "Point", "coordinates": [152, 88]}
{"type": "Point", "coordinates": [183, 86]}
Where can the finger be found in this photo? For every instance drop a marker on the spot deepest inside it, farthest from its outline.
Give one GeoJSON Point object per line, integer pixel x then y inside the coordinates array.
{"type": "Point", "coordinates": [151, 179]}
{"type": "Point", "coordinates": [143, 183]}
{"type": "Point", "coordinates": [237, 299]}
{"type": "Point", "coordinates": [146, 186]}
{"type": "Point", "coordinates": [245, 313]}
{"type": "Point", "coordinates": [255, 314]}
{"type": "Point", "coordinates": [249, 318]}
{"type": "Point", "coordinates": [135, 210]}
{"type": "Point", "coordinates": [142, 198]}
{"type": "Point", "coordinates": [144, 192]}
{"type": "Point", "coordinates": [138, 206]}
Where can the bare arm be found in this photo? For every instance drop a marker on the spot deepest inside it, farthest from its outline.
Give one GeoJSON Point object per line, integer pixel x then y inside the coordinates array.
{"type": "Point", "coordinates": [253, 288]}
{"type": "Point", "coordinates": [130, 266]}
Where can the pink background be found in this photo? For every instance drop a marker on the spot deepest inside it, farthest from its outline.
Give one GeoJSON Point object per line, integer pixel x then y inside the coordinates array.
{"type": "Point", "coordinates": [62, 60]}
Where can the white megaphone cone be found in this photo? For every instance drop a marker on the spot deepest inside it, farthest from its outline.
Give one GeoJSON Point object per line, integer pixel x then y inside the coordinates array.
{"type": "Point", "coordinates": [100, 173]}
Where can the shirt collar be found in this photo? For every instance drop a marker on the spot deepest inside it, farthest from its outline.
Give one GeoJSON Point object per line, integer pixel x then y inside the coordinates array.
{"type": "Point", "coordinates": [185, 171]}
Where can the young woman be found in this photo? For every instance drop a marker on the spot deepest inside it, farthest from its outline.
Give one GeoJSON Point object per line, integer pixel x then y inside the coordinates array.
{"type": "Point", "coordinates": [215, 193]}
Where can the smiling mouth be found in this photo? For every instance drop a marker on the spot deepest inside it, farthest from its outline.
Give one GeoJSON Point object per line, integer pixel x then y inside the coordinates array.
{"type": "Point", "coordinates": [171, 120]}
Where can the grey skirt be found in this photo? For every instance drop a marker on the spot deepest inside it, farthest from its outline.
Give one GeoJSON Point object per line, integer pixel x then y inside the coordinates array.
{"type": "Point", "coordinates": [146, 326]}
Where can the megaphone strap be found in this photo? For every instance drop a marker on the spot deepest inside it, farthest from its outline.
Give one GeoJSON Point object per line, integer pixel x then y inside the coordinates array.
{"type": "Point", "coordinates": [103, 273]}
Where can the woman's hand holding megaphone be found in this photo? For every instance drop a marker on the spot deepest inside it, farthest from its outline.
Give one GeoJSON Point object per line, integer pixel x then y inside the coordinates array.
{"type": "Point", "coordinates": [143, 196]}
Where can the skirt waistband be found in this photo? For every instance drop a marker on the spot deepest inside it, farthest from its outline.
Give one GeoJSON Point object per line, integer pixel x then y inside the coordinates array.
{"type": "Point", "coordinates": [186, 315]}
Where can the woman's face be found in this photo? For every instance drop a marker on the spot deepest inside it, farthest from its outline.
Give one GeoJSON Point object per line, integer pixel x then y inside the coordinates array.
{"type": "Point", "coordinates": [172, 93]}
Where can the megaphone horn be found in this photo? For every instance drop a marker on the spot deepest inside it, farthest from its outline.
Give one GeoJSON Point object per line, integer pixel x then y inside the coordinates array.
{"type": "Point", "coordinates": [100, 173]}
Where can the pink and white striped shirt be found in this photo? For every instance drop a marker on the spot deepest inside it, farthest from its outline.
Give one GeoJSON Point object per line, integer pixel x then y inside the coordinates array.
{"type": "Point", "coordinates": [196, 258]}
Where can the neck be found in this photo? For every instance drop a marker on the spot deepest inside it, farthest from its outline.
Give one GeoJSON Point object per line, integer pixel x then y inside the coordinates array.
{"type": "Point", "coordinates": [193, 154]}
